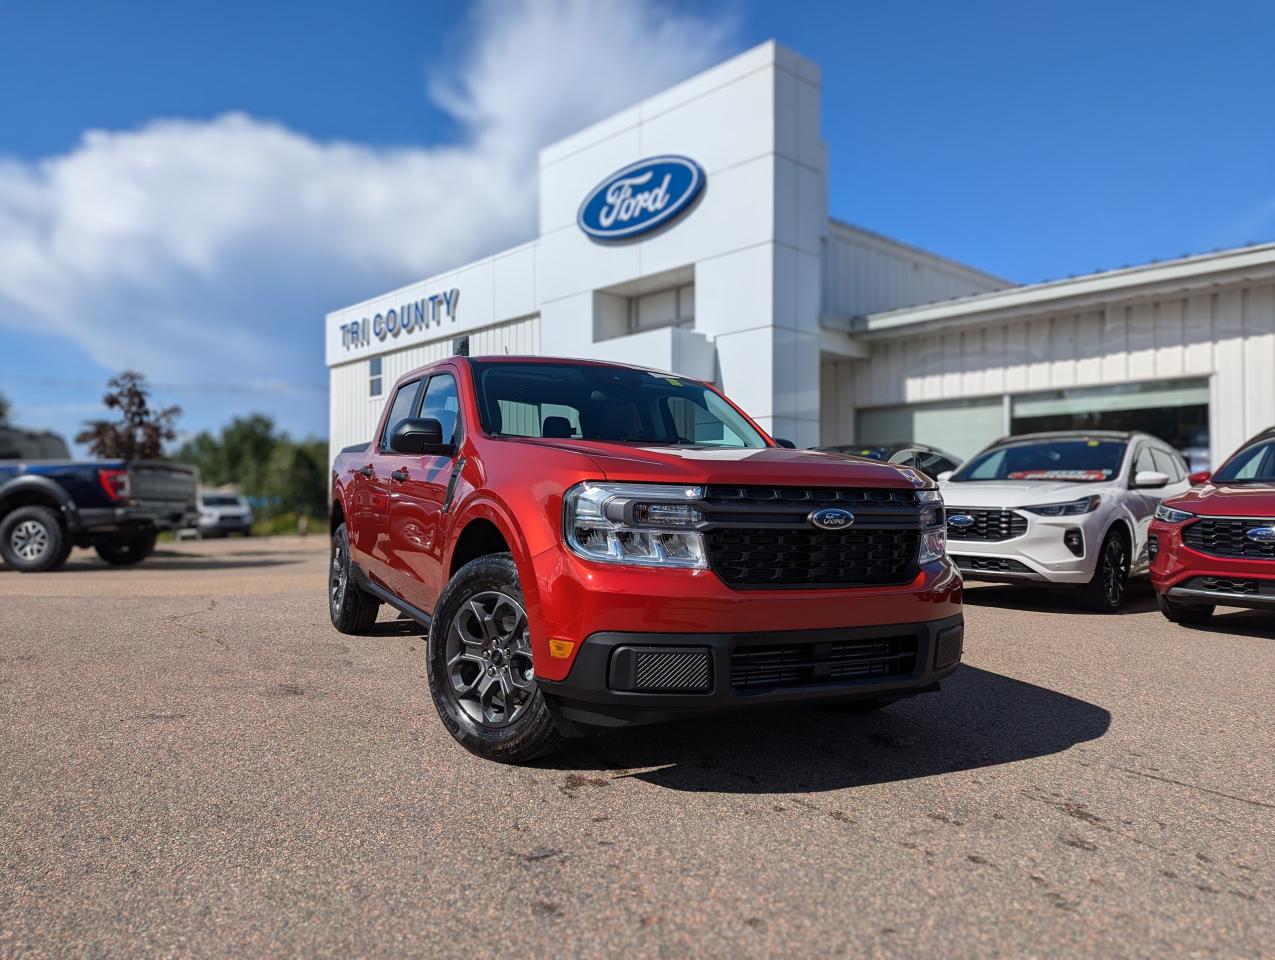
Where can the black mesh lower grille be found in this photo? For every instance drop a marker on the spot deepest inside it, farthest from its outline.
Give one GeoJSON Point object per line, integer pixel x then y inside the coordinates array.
{"type": "Point", "coordinates": [1233, 585]}
{"type": "Point", "coordinates": [987, 525]}
{"type": "Point", "coordinates": [802, 664]}
{"type": "Point", "coordinates": [991, 565]}
{"type": "Point", "coordinates": [1228, 537]}
{"type": "Point", "coordinates": [671, 670]}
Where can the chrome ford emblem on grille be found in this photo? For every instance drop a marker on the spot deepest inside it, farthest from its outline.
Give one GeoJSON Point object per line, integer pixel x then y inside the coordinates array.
{"type": "Point", "coordinates": [1261, 534]}
{"type": "Point", "coordinates": [831, 518]}
{"type": "Point", "coordinates": [961, 520]}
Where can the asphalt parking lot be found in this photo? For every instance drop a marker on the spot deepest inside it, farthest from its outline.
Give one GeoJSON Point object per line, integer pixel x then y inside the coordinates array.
{"type": "Point", "coordinates": [193, 762]}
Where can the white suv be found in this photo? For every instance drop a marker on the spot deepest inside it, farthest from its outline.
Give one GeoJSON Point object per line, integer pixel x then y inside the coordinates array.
{"type": "Point", "coordinates": [1068, 508]}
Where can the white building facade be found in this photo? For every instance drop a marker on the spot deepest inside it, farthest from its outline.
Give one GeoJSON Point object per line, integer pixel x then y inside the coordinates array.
{"type": "Point", "coordinates": [824, 332]}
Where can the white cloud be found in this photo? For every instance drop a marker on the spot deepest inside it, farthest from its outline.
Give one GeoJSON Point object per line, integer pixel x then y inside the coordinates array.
{"type": "Point", "coordinates": [197, 249]}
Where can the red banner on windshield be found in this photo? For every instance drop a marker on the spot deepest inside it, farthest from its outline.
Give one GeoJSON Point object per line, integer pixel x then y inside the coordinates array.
{"type": "Point", "coordinates": [1077, 475]}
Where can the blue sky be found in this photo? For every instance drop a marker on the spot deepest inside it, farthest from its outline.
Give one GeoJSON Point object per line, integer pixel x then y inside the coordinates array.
{"type": "Point", "coordinates": [256, 164]}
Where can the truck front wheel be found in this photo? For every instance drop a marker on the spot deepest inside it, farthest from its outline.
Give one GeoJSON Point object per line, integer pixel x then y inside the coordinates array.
{"type": "Point", "coordinates": [480, 668]}
{"type": "Point", "coordinates": [32, 540]}
{"type": "Point", "coordinates": [126, 550]}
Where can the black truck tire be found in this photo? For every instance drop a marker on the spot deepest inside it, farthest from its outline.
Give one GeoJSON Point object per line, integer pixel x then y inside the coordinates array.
{"type": "Point", "coordinates": [478, 614]}
{"type": "Point", "coordinates": [353, 610]}
{"type": "Point", "coordinates": [33, 540]}
{"type": "Point", "coordinates": [126, 549]}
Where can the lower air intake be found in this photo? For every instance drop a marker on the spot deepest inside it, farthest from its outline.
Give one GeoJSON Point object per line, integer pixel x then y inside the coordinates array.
{"type": "Point", "coordinates": [662, 670]}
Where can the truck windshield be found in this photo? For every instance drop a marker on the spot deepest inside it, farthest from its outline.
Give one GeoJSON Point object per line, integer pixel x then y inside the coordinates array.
{"type": "Point", "coordinates": [1255, 464]}
{"type": "Point", "coordinates": [613, 404]}
{"type": "Point", "coordinates": [1078, 461]}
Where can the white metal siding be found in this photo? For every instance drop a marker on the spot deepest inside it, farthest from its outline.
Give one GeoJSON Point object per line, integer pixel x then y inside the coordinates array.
{"type": "Point", "coordinates": [1230, 334]}
{"type": "Point", "coordinates": [354, 413]}
{"type": "Point", "coordinates": [866, 273]}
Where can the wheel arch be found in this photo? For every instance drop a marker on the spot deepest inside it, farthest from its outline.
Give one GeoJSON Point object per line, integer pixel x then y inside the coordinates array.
{"type": "Point", "coordinates": [29, 491]}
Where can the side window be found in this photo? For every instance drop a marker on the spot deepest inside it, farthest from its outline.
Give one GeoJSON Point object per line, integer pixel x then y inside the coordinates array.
{"type": "Point", "coordinates": [906, 458]}
{"type": "Point", "coordinates": [932, 464]}
{"type": "Point", "coordinates": [1144, 460]}
{"type": "Point", "coordinates": [400, 410]}
{"type": "Point", "coordinates": [1167, 464]}
{"type": "Point", "coordinates": [442, 403]}
{"type": "Point", "coordinates": [374, 377]}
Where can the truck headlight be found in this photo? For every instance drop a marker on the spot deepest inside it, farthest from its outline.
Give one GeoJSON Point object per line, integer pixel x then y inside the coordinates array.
{"type": "Point", "coordinates": [933, 526]}
{"type": "Point", "coordinates": [645, 524]}
{"type": "Point", "coordinates": [1169, 515]}
{"type": "Point", "coordinates": [1071, 508]}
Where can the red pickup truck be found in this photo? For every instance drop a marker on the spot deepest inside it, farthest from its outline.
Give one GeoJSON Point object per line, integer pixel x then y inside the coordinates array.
{"type": "Point", "coordinates": [1215, 544]}
{"type": "Point", "coordinates": [593, 545]}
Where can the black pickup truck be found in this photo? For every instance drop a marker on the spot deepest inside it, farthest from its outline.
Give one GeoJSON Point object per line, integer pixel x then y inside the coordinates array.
{"type": "Point", "coordinates": [50, 503]}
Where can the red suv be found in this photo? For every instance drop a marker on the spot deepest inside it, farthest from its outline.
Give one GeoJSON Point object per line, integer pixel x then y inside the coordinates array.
{"type": "Point", "coordinates": [593, 545]}
{"type": "Point", "coordinates": [1216, 543]}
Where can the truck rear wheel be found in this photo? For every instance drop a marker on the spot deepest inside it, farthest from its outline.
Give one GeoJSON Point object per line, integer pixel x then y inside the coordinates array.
{"type": "Point", "coordinates": [126, 550]}
{"type": "Point", "coordinates": [480, 668]}
{"type": "Point", "coordinates": [32, 540]}
{"type": "Point", "coordinates": [353, 609]}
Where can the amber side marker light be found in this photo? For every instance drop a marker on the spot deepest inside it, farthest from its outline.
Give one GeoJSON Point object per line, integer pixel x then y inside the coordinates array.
{"type": "Point", "coordinates": [561, 649]}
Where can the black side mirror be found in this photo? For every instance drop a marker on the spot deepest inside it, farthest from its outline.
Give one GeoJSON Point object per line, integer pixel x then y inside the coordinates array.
{"type": "Point", "coordinates": [786, 444]}
{"type": "Point", "coordinates": [423, 435]}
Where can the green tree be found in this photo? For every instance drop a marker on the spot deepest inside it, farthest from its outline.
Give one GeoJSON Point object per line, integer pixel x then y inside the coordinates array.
{"type": "Point", "coordinates": [140, 432]}
{"type": "Point", "coordinates": [4, 408]}
{"type": "Point", "coordinates": [295, 479]}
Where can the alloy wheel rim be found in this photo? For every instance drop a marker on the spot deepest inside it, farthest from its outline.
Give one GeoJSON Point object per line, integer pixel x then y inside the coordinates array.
{"type": "Point", "coordinates": [1113, 573]}
{"type": "Point", "coordinates": [488, 655]}
{"type": "Point", "coordinates": [29, 539]}
{"type": "Point", "coordinates": [339, 576]}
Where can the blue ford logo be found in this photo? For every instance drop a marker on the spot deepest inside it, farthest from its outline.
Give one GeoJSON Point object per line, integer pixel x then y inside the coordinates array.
{"type": "Point", "coordinates": [1262, 534]}
{"type": "Point", "coordinates": [960, 520]}
{"type": "Point", "coordinates": [831, 518]}
{"type": "Point", "coordinates": [641, 197]}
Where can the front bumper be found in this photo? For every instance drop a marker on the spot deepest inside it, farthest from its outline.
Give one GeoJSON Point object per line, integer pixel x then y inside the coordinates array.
{"type": "Point", "coordinates": [1193, 578]}
{"type": "Point", "coordinates": [753, 669]}
{"type": "Point", "coordinates": [224, 525]}
{"type": "Point", "coordinates": [1040, 555]}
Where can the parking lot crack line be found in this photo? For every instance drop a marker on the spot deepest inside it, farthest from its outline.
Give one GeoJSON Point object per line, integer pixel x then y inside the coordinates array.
{"type": "Point", "coordinates": [1194, 786]}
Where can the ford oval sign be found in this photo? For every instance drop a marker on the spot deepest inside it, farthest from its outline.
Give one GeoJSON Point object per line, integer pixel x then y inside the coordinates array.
{"type": "Point", "coordinates": [641, 197]}
{"type": "Point", "coordinates": [960, 521]}
{"type": "Point", "coordinates": [831, 518]}
{"type": "Point", "coordinates": [1262, 534]}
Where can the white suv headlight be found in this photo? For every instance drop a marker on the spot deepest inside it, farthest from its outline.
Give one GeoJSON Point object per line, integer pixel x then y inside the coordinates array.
{"type": "Point", "coordinates": [1169, 515]}
{"type": "Point", "coordinates": [643, 524]}
{"type": "Point", "coordinates": [1071, 508]}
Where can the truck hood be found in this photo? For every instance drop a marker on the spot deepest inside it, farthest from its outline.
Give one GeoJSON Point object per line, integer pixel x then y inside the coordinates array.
{"type": "Point", "coordinates": [768, 465]}
{"type": "Point", "coordinates": [1016, 493]}
{"type": "Point", "coordinates": [1229, 500]}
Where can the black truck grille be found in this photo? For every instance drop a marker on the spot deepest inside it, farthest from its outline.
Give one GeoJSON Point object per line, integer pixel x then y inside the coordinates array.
{"type": "Point", "coordinates": [1228, 537]}
{"type": "Point", "coordinates": [988, 525]}
{"type": "Point", "coordinates": [802, 664]}
{"type": "Point", "coordinates": [991, 565]}
{"type": "Point", "coordinates": [761, 537]}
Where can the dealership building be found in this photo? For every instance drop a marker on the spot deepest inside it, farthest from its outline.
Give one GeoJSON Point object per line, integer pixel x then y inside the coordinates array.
{"type": "Point", "coordinates": [690, 233]}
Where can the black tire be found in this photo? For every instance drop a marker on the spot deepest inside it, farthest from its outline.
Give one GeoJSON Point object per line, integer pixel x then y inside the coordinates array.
{"type": "Point", "coordinates": [495, 653]}
{"type": "Point", "coordinates": [1106, 591]}
{"type": "Point", "coordinates": [127, 550]}
{"type": "Point", "coordinates": [33, 540]}
{"type": "Point", "coordinates": [352, 609]}
{"type": "Point", "coordinates": [1188, 614]}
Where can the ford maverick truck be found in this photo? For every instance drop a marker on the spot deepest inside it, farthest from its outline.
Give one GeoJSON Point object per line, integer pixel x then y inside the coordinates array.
{"type": "Point", "coordinates": [50, 503]}
{"type": "Point", "coordinates": [592, 545]}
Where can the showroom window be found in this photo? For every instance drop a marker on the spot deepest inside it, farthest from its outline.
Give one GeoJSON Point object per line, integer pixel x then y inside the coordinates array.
{"type": "Point", "coordinates": [960, 427]}
{"type": "Point", "coordinates": [374, 377]}
{"type": "Point", "coordinates": [1176, 411]}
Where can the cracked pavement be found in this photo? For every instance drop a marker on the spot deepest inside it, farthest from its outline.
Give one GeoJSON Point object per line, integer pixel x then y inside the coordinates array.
{"type": "Point", "coordinates": [192, 761]}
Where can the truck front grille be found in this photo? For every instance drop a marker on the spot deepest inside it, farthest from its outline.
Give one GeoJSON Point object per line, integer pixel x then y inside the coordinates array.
{"type": "Point", "coordinates": [804, 664]}
{"type": "Point", "coordinates": [1228, 537]}
{"type": "Point", "coordinates": [761, 537]}
{"type": "Point", "coordinates": [988, 525]}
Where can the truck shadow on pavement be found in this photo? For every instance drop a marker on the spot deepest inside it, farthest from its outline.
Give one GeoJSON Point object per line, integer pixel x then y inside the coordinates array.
{"type": "Point", "coordinates": [979, 719]}
{"type": "Point", "coordinates": [1140, 599]}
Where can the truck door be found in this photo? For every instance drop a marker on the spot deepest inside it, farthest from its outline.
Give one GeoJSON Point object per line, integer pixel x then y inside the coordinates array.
{"type": "Point", "coordinates": [372, 488]}
{"type": "Point", "coordinates": [419, 487]}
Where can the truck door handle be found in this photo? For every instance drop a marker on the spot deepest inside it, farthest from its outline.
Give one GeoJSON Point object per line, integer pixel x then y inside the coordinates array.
{"type": "Point", "coordinates": [401, 475]}
{"type": "Point", "coordinates": [365, 471]}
